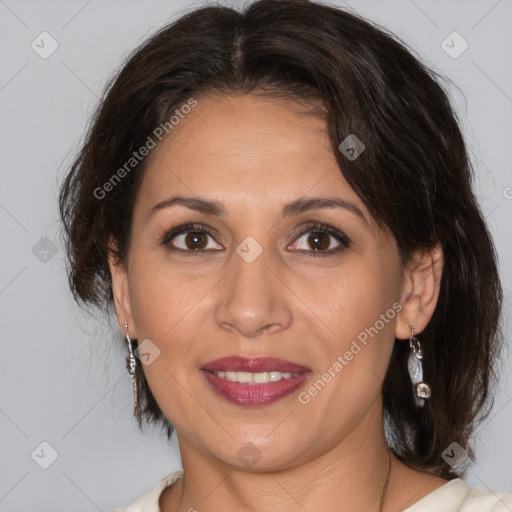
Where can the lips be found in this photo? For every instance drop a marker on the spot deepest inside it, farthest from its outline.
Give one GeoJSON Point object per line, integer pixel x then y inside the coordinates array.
{"type": "Point", "coordinates": [254, 394]}
{"type": "Point", "coordinates": [260, 364]}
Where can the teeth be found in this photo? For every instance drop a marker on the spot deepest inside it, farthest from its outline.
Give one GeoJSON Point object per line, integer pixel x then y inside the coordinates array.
{"type": "Point", "coordinates": [255, 378]}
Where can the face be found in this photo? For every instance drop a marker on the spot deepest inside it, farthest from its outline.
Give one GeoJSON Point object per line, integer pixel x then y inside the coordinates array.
{"type": "Point", "coordinates": [254, 278]}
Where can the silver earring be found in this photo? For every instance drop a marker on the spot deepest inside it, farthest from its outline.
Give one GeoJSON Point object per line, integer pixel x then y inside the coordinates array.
{"type": "Point", "coordinates": [421, 389]}
{"type": "Point", "coordinates": [131, 367]}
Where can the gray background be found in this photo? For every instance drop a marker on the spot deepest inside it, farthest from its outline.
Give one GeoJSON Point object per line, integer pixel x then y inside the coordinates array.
{"type": "Point", "coordinates": [62, 380]}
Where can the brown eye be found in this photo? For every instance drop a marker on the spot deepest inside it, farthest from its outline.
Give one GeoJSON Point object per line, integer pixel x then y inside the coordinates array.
{"type": "Point", "coordinates": [195, 240]}
{"type": "Point", "coordinates": [189, 238]}
{"type": "Point", "coordinates": [319, 241]}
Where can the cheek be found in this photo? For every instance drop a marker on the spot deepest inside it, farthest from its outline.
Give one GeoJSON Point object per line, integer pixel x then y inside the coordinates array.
{"type": "Point", "coordinates": [165, 307]}
{"type": "Point", "coordinates": [160, 296]}
{"type": "Point", "coordinates": [351, 301]}
{"type": "Point", "coordinates": [358, 316]}
{"type": "Point", "coordinates": [352, 357]}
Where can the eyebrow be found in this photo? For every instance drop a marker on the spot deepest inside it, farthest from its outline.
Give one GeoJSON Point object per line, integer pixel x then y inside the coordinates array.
{"type": "Point", "coordinates": [295, 207]}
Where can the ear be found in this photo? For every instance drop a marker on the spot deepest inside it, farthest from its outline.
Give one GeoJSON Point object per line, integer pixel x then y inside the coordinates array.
{"type": "Point", "coordinates": [120, 290]}
{"type": "Point", "coordinates": [420, 290]}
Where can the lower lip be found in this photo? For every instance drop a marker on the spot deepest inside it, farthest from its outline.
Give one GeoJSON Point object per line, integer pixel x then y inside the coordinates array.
{"type": "Point", "coordinates": [242, 393]}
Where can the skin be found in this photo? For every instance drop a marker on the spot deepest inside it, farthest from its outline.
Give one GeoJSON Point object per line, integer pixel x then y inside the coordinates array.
{"type": "Point", "coordinates": [253, 155]}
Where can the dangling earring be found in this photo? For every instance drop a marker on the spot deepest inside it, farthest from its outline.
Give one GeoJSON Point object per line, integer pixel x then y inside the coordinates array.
{"type": "Point", "coordinates": [131, 367]}
{"type": "Point", "coordinates": [421, 389]}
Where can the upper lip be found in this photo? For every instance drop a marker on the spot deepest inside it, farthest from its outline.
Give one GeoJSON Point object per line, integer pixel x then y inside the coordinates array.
{"type": "Point", "coordinates": [255, 365]}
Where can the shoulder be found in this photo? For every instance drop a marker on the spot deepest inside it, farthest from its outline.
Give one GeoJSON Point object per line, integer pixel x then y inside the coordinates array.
{"type": "Point", "coordinates": [148, 501]}
{"type": "Point", "coordinates": [456, 496]}
{"type": "Point", "coordinates": [484, 500]}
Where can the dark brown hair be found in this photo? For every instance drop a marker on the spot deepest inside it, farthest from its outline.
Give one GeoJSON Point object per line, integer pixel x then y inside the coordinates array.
{"type": "Point", "coordinates": [414, 176]}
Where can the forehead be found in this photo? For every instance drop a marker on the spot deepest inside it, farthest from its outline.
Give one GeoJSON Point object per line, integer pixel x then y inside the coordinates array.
{"type": "Point", "coordinates": [247, 147]}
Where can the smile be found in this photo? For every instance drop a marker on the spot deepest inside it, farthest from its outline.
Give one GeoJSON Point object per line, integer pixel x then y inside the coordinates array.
{"type": "Point", "coordinates": [254, 382]}
{"type": "Point", "coordinates": [255, 378]}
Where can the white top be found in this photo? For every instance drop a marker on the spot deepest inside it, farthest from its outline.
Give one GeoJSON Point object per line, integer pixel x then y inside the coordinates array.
{"type": "Point", "coordinates": [454, 496]}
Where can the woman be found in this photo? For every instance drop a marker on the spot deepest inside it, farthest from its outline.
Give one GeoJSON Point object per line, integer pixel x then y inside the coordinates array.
{"type": "Point", "coordinates": [278, 204]}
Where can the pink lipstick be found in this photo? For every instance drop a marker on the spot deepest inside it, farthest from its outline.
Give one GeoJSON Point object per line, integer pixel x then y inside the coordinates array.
{"type": "Point", "coordinates": [254, 382]}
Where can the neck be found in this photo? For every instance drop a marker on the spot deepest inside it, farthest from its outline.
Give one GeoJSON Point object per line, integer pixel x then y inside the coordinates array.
{"type": "Point", "coordinates": [350, 476]}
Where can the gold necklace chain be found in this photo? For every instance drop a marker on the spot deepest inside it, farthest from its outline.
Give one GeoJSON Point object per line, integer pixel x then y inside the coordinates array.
{"type": "Point", "coordinates": [383, 492]}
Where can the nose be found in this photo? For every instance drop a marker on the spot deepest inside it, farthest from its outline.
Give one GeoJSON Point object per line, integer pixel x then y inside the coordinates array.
{"type": "Point", "coordinates": [253, 299]}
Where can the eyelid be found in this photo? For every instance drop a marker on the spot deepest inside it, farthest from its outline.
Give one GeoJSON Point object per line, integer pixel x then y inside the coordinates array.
{"type": "Point", "coordinates": [322, 227]}
{"type": "Point", "coordinates": [187, 227]}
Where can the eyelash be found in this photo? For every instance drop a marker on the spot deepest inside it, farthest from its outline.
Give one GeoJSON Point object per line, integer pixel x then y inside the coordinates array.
{"type": "Point", "coordinates": [316, 227]}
